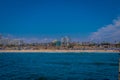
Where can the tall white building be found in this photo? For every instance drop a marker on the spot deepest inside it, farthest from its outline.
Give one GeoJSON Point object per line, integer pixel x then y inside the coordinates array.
{"type": "Point", "coordinates": [65, 41]}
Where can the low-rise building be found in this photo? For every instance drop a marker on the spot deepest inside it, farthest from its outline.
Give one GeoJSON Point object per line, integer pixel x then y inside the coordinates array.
{"type": "Point", "coordinates": [16, 42]}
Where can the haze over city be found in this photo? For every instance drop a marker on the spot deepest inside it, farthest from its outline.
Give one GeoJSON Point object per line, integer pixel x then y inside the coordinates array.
{"type": "Point", "coordinates": [81, 20]}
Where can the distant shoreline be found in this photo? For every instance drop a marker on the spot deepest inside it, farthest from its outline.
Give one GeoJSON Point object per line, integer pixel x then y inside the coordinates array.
{"type": "Point", "coordinates": [59, 51]}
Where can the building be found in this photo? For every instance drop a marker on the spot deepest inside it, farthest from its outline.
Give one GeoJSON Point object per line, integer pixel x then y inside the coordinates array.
{"type": "Point", "coordinates": [0, 36]}
{"type": "Point", "coordinates": [56, 43]}
{"type": "Point", "coordinates": [16, 42]}
{"type": "Point", "coordinates": [4, 41]}
{"type": "Point", "coordinates": [65, 41]}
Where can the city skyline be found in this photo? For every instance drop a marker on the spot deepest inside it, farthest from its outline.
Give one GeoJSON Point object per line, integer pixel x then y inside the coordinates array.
{"type": "Point", "coordinates": [81, 20]}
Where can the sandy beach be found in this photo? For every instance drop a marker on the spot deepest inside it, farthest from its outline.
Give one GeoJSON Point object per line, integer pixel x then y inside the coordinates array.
{"type": "Point", "coordinates": [59, 51]}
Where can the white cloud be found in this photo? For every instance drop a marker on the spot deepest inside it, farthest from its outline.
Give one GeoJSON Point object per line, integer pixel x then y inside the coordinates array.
{"type": "Point", "coordinates": [110, 32]}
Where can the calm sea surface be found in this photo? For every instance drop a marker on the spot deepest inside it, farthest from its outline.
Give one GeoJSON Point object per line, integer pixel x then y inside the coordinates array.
{"type": "Point", "coordinates": [58, 66]}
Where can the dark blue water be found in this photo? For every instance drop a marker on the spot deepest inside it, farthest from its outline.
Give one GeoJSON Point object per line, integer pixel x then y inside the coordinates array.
{"type": "Point", "coordinates": [58, 66]}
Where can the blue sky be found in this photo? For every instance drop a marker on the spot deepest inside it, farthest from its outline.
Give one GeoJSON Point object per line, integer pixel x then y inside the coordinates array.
{"type": "Point", "coordinates": [56, 18]}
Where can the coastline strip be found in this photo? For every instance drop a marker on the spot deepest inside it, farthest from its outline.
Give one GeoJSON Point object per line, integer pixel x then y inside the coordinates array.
{"type": "Point", "coordinates": [60, 51]}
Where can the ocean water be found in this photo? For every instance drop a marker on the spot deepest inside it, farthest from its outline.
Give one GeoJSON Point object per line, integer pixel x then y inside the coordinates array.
{"type": "Point", "coordinates": [58, 66]}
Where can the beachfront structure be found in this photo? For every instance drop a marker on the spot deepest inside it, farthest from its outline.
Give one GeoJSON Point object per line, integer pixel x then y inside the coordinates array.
{"type": "Point", "coordinates": [65, 41]}
{"type": "Point", "coordinates": [56, 43]}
